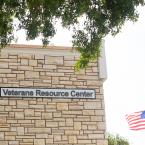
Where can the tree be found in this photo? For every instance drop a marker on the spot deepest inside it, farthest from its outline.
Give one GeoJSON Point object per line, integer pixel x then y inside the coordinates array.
{"type": "Point", "coordinates": [38, 17]}
{"type": "Point", "coordinates": [117, 140]}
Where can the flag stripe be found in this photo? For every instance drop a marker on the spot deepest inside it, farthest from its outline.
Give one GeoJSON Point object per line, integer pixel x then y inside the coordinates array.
{"type": "Point", "coordinates": [136, 121]}
{"type": "Point", "coordinates": [133, 119]}
{"type": "Point", "coordinates": [130, 116]}
{"type": "Point", "coordinates": [137, 128]}
{"type": "Point", "coordinates": [138, 125]}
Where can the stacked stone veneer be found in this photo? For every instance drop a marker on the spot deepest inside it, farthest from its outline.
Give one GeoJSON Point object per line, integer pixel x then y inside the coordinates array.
{"type": "Point", "coordinates": [44, 121]}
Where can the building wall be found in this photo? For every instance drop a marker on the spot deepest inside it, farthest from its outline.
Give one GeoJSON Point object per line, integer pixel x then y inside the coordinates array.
{"type": "Point", "coordinates": [45, 121]}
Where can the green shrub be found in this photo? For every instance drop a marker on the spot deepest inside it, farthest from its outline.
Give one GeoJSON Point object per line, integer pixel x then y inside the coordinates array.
{"type": "Point", "coordinates": [117, 140]}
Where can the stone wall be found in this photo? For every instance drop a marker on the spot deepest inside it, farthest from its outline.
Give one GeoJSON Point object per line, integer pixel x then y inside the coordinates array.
{"type": "Point", "coordinates": [45, 121]}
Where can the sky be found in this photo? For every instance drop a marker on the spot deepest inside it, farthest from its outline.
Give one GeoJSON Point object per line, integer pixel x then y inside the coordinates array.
{"type": "Point", "coordinates": [124, 89]}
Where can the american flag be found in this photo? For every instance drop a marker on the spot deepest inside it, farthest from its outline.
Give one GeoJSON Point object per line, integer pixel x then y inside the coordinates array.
{"type": "Point", "coordinates": [136, 120]}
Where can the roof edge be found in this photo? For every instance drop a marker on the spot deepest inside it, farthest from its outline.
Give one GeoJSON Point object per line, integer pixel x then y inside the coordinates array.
{"type": "Point", "coordinates": [18, 46]}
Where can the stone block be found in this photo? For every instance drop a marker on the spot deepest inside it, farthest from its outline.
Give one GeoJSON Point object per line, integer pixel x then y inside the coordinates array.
{"type": "Point", "coordinates": [55, 80]}
{"type": "Point", "coordinates": [49, 141]}
{"type": "Point", "coordinates": [3, 129]}
{"type": "Point", "coordinates": [92, 127]}
{"type": "Point", "coordinates": [65, 82]}
{"type": "Point", "coordinates": [61, 123]}
{"type": "Point", "coordinates": [84, 141]}
{"type": "Point", "coordinates": [100, 112]}
{"type": "Point", "coordinates": [5, 71]}
{"type": "Point", "coordinates": [49, 66]}
{"type": "Point", "coordinates": [95, 69]}
{"type": "Point", "coordinates": [46, 115]}
{"type": "Point", "coordinates": [31, 74]}
{"type": "Point", "coordinates": [3, 65]}
{"type": "Point", "coordinates": [69, 57]}
{"type": "Point", "coordinates": [71, 132]}
{"type": "Point", "coordinates": [51, 106]}
{"type": "Point", "coordinates": [88, 112]}
{"type": "Point", "coordinates": [69, 122]}
{"type": "Point", "coordinates": [72, 139]}
{"type": "Point", "coordinates": [93, 83]}
{"type": "Point", "coordinates": [51, 124]}
{"type": "Point", "coordinates": [11, 133]}
{"type": "Point", "coordinates": [25, 68]}
{"type": "Point", "coordinates": [26, 83]}
{"type": "Point", "coordinates": [62, 106]}
{"type": "Point", "coordinates": [101, 126]}
{"type": "Point", "coordinates": [54, 74]}
{"type": "Point", "coordinates": [69, 63]}
{"type": "Point", "coordinates": [87, 77]}
{"type": "Point", "coordinates": [39, 141]}
{"type": "Point", "coordinates": [7, 138]}
{"type": "Point", "coordinates": [13, 142]}
{"type": "Point", "coordinates": [96, 136]}
{"type": "Point", "coordinates": [40, 123]}
{"type": "Point", "coordinates": [8, 108]}
{"type": "Point", "coordinates": [39, 130]}
{"type": "Point", "coordinates": [76, 112]}
{"type": "Point", "coordinates": [102, 142]}
{"type": "Point", "coordinates": [82, 118]}
{"type": "Point", "coordinates": [4, 55]}
{"type": "Point", "coordinates": [37, 106]}
{"type": "Point", "coordinates": [2, 108]}
{"type": "Point", "coordinates": [3, 142]}
{"type": "Point", "coordinates": [1, 135]}
{"type": "Point", "coordinates": [20, 130]}
{"type": "Point", "coordinates": [75, 107]}
{"type": "Point", "coordinates": [56, 115]}
{"type": "Point", "coordinates": [2, 75]}
{"type": "Point", "coordinates": [22, 103]}
{"type": "Point", "coordinates": [92, 105]}
{"type": "Point", "coordinates": [33, 62]}
{"type": "Point", "coordinates": [42, 135]}
{"type": "Point", "coordinates": [20, 76]}
{"type": "Point", "coordinates": [28, 140]}
{"type": "Point", "coordinates": [19, 115]}
{"type": "Point", "coordinates": [96, 118]}
{"type": "Point", "coordinates": [13, 64]}
{"type": "Point", "coordinates": [29, 112]}
{"type": "Point", "coordinates": [24, 61]}
{"type": "Point", "coordinates": [77, 126]}
{"type": "Point", "coordinates": [11, 75]}
{"type": "Point", "coordinates": [57, 138]}
{"type": "Point", "coordinates": [78, 83]}
{"type": "Point", "coordinates": [3, 102]}
{"type": "Point", "coordinates": [64, 78]}
{"type": "Point", "coordinates": [25, 121]}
